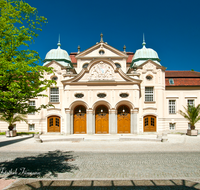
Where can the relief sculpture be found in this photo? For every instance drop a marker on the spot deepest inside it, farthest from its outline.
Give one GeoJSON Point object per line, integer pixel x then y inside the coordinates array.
{"type": "Point", "coordinates": [101, 71]}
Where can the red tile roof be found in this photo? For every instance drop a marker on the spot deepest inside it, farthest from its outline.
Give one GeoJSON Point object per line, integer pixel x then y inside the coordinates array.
{"type": "Point", "coordinates": [182, 74]}
{"type": "Point", "coordinates": [182, 78]}
{"type": "Point", "coordinates": [130, 56]}
{"type": "Point", "coordinates": [183, 82]}
{"type": "Point", "coordinates": [72, 56]}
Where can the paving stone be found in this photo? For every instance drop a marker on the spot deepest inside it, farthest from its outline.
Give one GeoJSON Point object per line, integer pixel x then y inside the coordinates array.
{"type": "Point", "coordinates": [102, 183]}
{"type": "Point", "coordinates": [123, 183]}
{"type": "Point", "coordinates": [82, 183]}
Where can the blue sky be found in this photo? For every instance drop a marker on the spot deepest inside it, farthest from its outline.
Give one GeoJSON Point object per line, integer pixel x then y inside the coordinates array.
{"type": "Point", "coordinates": [171, 27]}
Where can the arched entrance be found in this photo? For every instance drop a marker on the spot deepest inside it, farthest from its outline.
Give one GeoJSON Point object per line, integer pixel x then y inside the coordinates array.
{"type": "Point", "coordinates": [53, 124]}
{"type": "Point", "coordinates": [123, 119]}
{"type": "Point", "coordinates": [149, 123]}
{"type": "Point", "coordinates": [80, 120]}
{"type": "Point", "coordinates": [101, 119]}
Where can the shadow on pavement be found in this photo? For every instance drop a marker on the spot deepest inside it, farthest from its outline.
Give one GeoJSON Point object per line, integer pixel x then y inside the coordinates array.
{"type": "Point", "coordinates": [8, 142]}
{"type": "Point", "coordinates": [47, 164]}
{"type": "Point", "coordinates": [110, 185]}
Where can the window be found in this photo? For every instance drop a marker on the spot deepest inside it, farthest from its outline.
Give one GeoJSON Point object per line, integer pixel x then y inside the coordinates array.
{"type": "Point", "coordinates": [149, 94]}
{"type": "Point", "coordinates": [172, 126]}
{"type": "Point", "coordinates": [31, 127]}
{"type": "Point", "coordinates": [118, 65]}
{"type": "Point", "coordinates": [32, 103]}
{"type": "Point", "coordinates": [54, 95]}
{"type": "Point", "coordinates": [85, 65]}
{"type": "Point", "coordinates": [101, 52]}
{"type": "Point", "coordinates": [190, 102]}
{"type": "Point", "coordinates": [171, 81]}
{"type": "Point", "coordinates": [149, 77]}
{"type": "Point", "coordinates": [172, 106]}
{"type": "Point", "coordinates": [54, 78]}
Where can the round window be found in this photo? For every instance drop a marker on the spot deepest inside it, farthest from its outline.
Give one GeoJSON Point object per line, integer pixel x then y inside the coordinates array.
{"type": "Point", "coordinates": [54, 78]}
{"type": "Point", "coordinates": [79, 95]}
{"type": "Point", "coordinates": [85, 65]}
{"type": "Point", "coordinates": [101, 52]}
{"type": "Point", "coordinates": [123, 95]}
{"type": "Point", "coordinates": [101, 95]}
{"type": "Point", "coordinates": [118, 65]}
{"type": "Point", "coordinates": [149, 77]}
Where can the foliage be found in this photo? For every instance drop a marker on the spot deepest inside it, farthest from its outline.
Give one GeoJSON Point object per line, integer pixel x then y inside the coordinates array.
{"type": "Point", "coordinates": [21, 78]}
{"type": "Point", "coordinates": [26, 133]}
{"type": "Point", "coordinates": [192, 114]}
{"type": "Point", "coordinates": [13, 119]}
{"type": "Point", "coordinates": [2, 133]}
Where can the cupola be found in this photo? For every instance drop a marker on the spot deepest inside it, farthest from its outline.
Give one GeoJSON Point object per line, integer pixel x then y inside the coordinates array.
{"type": "Point", "coordinates": [59, 55]}
{"type": "Point", "coordinates": [145, 54]}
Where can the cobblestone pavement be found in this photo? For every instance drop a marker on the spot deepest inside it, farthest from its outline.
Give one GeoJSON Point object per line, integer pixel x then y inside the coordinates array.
{"type": "Point", "coordinates": [89, 165]}
{"type": "Point", "coordinates": [179, 158]}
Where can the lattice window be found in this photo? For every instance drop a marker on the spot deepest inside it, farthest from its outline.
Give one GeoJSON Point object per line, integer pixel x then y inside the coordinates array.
{"type": "Point", "coordinates": [146, 122]}
{"type": "Point", "coordinates": [148, 94]}
{"type": "Point", "coordinates": [57, 122]}
{"type": "Point", "coordinates": [152, 122]}
{"type": "Point", "coordinates": [172, 126]}
{"type": "Point", "coordinates": [54, 94]}
{"type": "Point", "coordinates": [50, 122]}
{"type": "Point", "coordinates": [172, 106]}
{"type": "Point", "coordinates": [31, 127]}
{"type": "Point", "coordinates": [190, 102]}
{"type": "Point", "coordinates": [32, 103]}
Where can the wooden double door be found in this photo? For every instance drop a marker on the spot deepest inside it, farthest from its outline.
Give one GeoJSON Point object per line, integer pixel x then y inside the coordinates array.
{"type": "Point", "coordinates": [53, 123]}
{"type": "Point", "coordinates": [149, 123]}
{"type": "Point", "coordinates": [101, 120]}
{"type": "Point", "coordinates": [80, 120]}
{"type": "Point", "coordinates": [123, 119]}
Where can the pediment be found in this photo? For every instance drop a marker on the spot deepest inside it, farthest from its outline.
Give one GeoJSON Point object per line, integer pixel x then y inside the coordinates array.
{"type": "Point", "coordinates": [150, 65]}
{"type": "Point", "coordinates": [101, 50]}
{"type": "Point", "coordinates": [57, 66]}
{"type": "Point", "coordinates": [102, 72]}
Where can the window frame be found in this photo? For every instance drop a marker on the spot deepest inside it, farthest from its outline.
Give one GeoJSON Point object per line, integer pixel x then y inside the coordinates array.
{"type": "Point", "coordinates": [54, 95]}
{"type": "Point", "coordinates": [32, 113]}
{"type": "Point", "coordinates": [189, 103]}
{"type": "Point", "coordinates": [149, 94]}
{"type": "Point", "coordinates": [171, 107]}
{"type": "Point", "coordinates": [172, 126]}
{"type": "Point", "coordinates": [31, 125]}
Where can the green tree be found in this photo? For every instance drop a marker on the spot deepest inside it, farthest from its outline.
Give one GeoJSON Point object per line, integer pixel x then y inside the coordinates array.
{"type": "Point", "coordinates": [192, 114]}
{"type": "Point", "coordinates": [21, 78]}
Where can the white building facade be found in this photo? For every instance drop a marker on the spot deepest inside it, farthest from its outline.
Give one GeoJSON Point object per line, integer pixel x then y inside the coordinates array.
{"type": "Point", "coordinates": [106, 91]}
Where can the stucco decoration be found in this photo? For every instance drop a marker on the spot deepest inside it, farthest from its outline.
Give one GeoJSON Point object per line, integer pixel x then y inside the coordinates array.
{"type": "Point", "coordinates": [149, 66]}
{"type": "Point", "coordinates": [56, 67]}
{"type": "Point", "coordinates": [101, 71]}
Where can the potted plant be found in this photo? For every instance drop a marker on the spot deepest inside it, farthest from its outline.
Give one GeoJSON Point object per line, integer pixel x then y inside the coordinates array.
{"type": "Point", "coordinates": [11, 119]}
{"type": "Point", "coordinates": [192, 114]}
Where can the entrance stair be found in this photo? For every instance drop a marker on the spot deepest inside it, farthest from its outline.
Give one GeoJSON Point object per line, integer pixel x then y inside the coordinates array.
{"type": "Point", "coordinates": [99, 137]}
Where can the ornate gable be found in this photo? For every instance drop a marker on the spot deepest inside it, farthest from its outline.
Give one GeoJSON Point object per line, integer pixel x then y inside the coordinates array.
{"type": "Point", "coordinates": [101, 71]}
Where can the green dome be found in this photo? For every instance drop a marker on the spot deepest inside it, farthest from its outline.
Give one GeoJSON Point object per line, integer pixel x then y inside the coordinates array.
{"type": "Point", "coordinates": [145, 54]}
{"type": "Point", "coordinates": [58, 55]}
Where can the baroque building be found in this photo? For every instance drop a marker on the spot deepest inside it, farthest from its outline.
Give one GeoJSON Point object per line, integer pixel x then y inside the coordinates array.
{"type": "Point", "coordinates": [102, 90]}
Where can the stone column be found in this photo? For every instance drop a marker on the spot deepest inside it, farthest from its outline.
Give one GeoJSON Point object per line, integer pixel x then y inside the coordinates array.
{"type": "Point", "coordinates": [90, 123]}
{"type": "Point", "coordinates": [67, 128]}
{"type": "Point", "coordinates": [134, 123]}
{"type": "Point", "coordinates": [112, 121]}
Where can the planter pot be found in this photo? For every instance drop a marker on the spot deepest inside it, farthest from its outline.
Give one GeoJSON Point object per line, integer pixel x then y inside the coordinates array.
{"type": "Point", "coordinates": [192, 132]}
{"type": "Point", "coordinates": [11, 133]}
